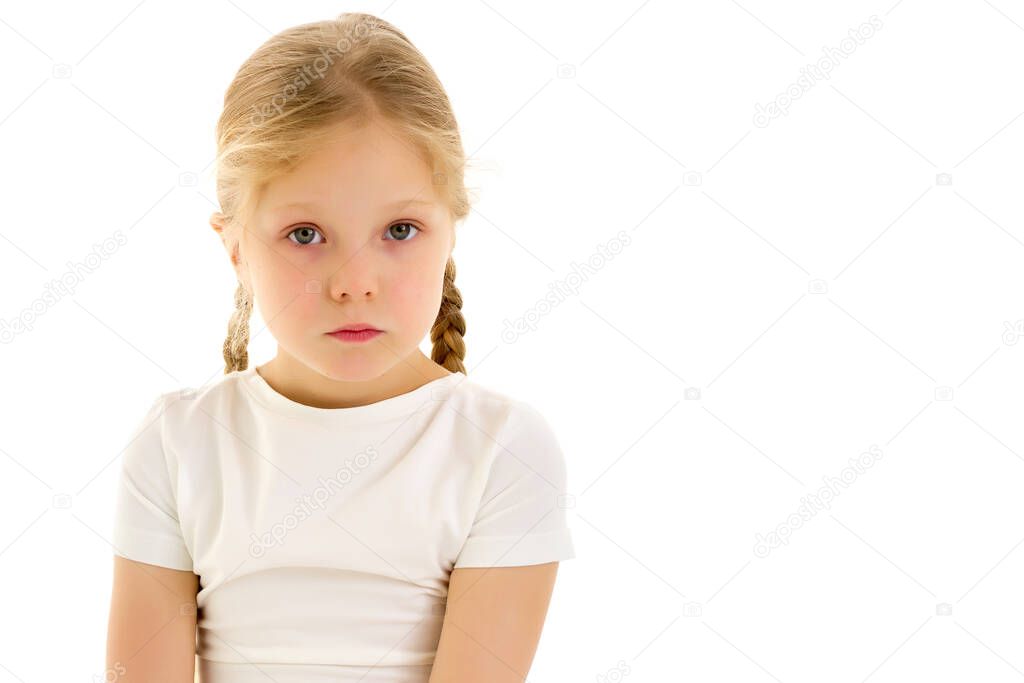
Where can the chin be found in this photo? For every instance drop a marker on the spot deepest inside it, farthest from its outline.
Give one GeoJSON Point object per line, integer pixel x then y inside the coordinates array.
{"type": "Point", "coordinates": [354, 368]}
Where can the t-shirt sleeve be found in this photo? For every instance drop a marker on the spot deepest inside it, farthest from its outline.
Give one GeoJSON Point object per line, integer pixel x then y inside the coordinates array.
{"type": "Point", "coordinates": [521, 518]}
{"type": "Point", "coordinates": [146, 527]}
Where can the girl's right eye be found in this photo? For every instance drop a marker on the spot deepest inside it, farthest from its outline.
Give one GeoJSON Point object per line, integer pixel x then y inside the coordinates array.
{"type": "Point", "coordinates": [306, 234]}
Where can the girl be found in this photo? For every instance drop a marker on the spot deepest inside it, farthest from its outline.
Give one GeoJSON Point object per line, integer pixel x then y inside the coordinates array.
{"type": "Point", "coordinates": [350, 510]}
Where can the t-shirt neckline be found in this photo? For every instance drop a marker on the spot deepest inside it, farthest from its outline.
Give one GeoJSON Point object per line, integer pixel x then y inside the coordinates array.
{"type": "Point", "coordinates": [399, 406]}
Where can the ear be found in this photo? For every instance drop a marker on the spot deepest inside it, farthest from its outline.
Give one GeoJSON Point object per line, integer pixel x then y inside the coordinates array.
{"type": "Point", "coordinates": [219, 223]}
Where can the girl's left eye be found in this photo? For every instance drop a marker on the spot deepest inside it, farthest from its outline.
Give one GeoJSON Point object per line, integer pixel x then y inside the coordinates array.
{"type": "Point", "coordinates": [403, 231]}
{"type": "Point", "coordinates": [306, 235]}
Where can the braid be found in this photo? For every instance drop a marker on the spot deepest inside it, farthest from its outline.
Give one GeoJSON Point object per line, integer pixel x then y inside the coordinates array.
{"type": "Point", "coordinates": [450, 326]}
{"type": "Point", "coordinates": [236, 345]}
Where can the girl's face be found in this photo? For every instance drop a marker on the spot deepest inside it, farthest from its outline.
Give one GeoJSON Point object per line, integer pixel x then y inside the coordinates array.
{"type": "Point", "coordinates": [355, 234]}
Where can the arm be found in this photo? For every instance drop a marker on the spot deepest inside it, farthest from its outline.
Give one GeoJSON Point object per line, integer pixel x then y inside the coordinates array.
{"type": "Point", "coordinates": [492, 623]}
{"type": "Point", "coordinates": [151, 633]}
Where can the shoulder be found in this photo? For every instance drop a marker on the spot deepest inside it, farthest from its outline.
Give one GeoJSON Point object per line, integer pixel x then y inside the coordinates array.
{"type": "Point", "coordinates": [223, 393]}
{"type": "Point", "coordinates": [179, 413]}
{"type": "Point", "coordinates": [505, 414]}
{"type": "Point", "coordinates": [519, 431]}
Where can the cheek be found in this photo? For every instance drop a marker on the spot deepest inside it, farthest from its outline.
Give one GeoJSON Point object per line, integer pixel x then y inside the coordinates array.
{"type": "Point", "coordinates": [281, 293]}
{"type": "Point", "coordinates": [416, 296]}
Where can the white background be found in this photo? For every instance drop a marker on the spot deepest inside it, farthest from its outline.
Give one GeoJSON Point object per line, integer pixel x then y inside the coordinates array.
{"type": "Point", "coordinates": [812, 282]}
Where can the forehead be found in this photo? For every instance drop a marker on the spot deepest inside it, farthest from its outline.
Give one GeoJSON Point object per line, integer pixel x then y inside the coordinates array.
{"type": "Point", "coordinates": [368, 167]}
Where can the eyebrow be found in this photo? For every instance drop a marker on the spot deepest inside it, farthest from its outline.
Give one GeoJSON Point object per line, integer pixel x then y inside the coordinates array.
{"type": "Point", "coordinates": [401, 203]}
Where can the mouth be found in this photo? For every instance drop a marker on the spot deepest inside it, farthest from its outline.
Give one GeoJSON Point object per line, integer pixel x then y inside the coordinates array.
{"type": "Point", "coordinates": [356, 327]}
{"type": "Point", "coordinates": [357, 333]}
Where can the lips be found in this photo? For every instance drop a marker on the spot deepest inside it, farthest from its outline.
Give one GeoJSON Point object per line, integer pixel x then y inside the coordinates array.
{"type": "Point", "coordinates": [356, 327]}
{"type": "Point", "coordinates": [355, 336]}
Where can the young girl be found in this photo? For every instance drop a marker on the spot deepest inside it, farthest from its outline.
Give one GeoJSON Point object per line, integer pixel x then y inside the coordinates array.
{"type": "Point", "coordinates": [350, 510]}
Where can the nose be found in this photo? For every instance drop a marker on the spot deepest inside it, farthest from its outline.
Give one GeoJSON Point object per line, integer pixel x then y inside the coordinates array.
{"type": "Point", "coordinates": [354, 273]}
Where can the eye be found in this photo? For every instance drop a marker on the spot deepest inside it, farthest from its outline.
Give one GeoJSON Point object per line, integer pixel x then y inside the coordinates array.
{"type": "Point", "coordinates": [306, 233]}
{"type": "Point", "coordinates": [402, 232]}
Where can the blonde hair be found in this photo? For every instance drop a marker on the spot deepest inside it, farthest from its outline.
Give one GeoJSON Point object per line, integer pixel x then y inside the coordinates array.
{"type": "Point", "coordinates": [290, 92]}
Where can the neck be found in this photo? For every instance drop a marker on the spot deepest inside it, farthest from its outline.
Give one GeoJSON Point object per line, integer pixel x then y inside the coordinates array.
{"type": "Point", "coordinates": [291, 378]}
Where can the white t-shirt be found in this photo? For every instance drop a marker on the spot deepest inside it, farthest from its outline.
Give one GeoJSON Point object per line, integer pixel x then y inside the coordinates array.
{"type": "Point", "coordinates": [324, 538]}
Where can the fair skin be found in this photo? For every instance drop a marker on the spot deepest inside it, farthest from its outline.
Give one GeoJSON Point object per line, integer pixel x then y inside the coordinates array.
{"type": "Point", "coordinates": [492, 623]}
{"type": "Point", "coordinates": [346, 255]}
{"type": "Point", "coordinates": [354, 234]}
{"type": "Point", "coordinates": [151, 629]}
